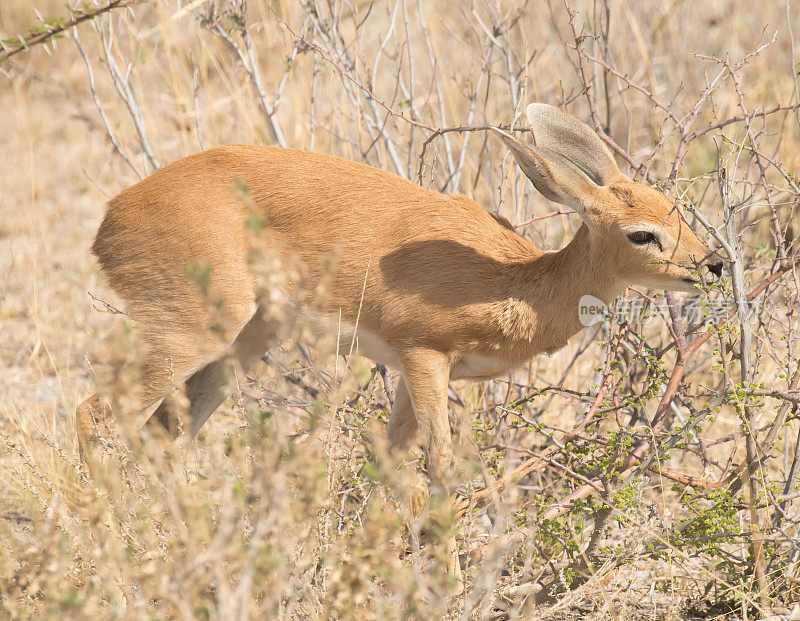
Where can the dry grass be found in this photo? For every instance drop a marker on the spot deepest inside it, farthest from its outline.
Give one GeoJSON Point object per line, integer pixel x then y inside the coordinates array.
{"type": "Point", "coordinates": [279, 508]}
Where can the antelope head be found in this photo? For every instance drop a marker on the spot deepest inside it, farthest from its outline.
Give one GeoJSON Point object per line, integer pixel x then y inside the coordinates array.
{"type": "Point", "coordinates": [640, 233]}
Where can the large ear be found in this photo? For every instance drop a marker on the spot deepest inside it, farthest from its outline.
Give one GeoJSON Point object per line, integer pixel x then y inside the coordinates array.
{"type": "Point", "coordinates": [561, 132]}
{"type": "Point", "coordinates": [552, 174]}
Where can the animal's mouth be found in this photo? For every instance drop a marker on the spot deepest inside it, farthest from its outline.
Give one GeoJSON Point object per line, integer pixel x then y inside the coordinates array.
{"type": "Point", "coordinates": [707, 279]}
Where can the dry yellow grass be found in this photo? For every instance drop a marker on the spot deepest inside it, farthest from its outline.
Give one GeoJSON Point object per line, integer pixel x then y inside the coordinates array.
{"type": "Point", "coordinates": [278, 510]}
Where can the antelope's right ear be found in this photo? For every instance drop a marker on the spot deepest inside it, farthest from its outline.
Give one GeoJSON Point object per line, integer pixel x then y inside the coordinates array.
{"type": "Point", "coordinates": [573, 139]}
{"type": "Point", "coordinates": [551, 173]}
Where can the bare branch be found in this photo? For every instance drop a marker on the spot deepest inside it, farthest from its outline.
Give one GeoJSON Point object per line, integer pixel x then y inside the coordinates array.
{"type": "Point", "coordinates": [54, 30]}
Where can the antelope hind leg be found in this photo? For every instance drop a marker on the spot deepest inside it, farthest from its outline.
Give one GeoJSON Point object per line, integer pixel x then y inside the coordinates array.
{"type": "Point", "coordinates": [207, 388]}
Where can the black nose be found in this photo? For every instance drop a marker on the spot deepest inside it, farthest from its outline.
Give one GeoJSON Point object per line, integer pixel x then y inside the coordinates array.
{"type": "Point", "coordinates": [715, 268]}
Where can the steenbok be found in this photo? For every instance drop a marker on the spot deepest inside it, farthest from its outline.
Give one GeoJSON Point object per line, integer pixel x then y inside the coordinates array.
{"type": "Point", "coordinates": [428, 283]}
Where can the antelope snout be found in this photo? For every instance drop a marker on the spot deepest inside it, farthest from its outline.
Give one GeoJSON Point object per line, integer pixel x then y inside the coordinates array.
{"type": "Point", "coordinates": [714, 264]}
{"type": "Point", "coordinates": [715, 267]}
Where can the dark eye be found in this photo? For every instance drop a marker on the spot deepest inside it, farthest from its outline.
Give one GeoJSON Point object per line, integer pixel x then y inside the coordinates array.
{"type": "Point", "coordinates": [640, 238]}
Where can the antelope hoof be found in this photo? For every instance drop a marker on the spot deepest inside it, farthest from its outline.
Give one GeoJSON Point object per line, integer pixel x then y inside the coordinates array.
{"type": "Point", "coordinates": [92, 425]}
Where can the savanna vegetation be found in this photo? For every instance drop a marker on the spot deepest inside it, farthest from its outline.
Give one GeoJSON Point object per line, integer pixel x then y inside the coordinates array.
{"type": "Point", "coordinates": [647, 470]}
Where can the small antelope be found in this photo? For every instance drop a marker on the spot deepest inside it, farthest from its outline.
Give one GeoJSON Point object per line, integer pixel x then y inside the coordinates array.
{"type": "Point", "coordinates": [428, 283]}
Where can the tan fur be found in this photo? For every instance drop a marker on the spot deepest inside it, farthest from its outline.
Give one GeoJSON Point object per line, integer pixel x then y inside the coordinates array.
{"type": "Point", "coordinates": [448, 290]}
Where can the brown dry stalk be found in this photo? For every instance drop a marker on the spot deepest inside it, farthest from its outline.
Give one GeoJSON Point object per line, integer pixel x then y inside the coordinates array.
{"type": "Point", "coordinates": [46, 35]}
